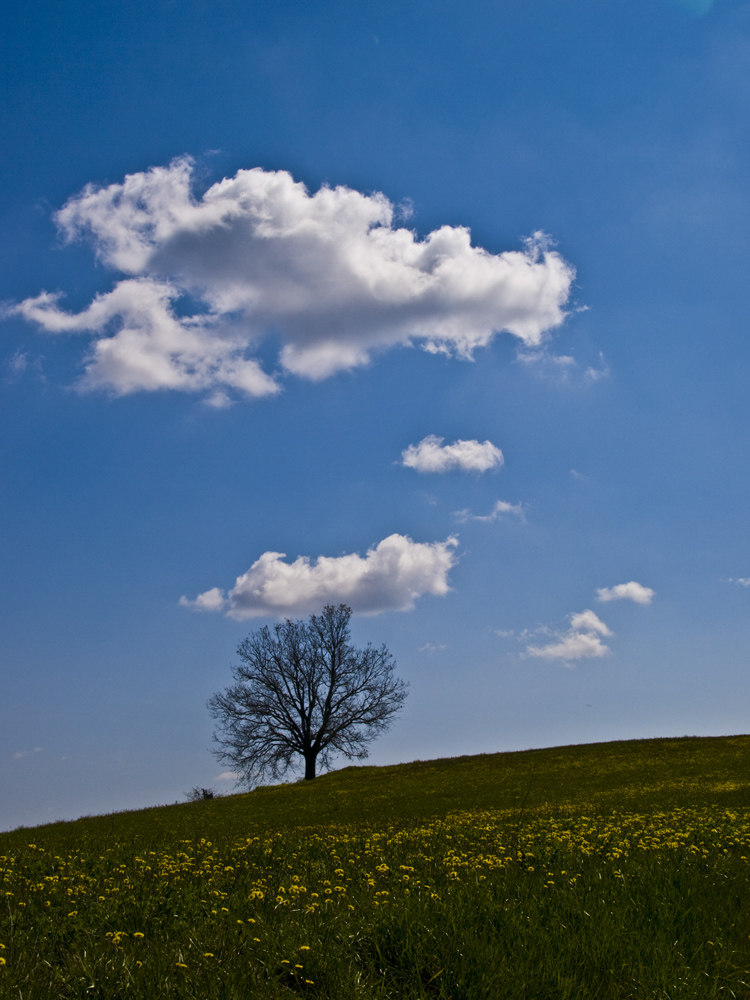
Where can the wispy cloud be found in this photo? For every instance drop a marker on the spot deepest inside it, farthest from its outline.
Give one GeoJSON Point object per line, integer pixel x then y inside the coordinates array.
{"type": "Point", "coordinates": [595, 374]}
{"type": "Point", "coordinates": [390, 577]}
{"type": "Point", "coordinates": [330, 274]}
{"type": "Point", "coordinates": [500, 509]}
{"type": "Point", "coordinates": [431, 455]}
{"type": "Point", "coordinates": [20, 363]}
{"type": "Point", "coordinates": [631, 591]}
{"type": "Point", "coordinates": [562, 367]}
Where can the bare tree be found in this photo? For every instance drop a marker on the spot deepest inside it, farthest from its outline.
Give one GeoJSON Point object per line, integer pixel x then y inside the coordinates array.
{"type": "Point", "coordinates": [302, 690]}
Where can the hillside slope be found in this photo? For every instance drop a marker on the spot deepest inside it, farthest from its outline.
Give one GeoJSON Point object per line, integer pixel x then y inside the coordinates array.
{"type": "Point", "coordinates": [633, 774]}
{"type": "Point", "coordinates": [614, 871]}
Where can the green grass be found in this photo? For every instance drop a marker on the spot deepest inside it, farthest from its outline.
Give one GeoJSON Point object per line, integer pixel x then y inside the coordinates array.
{"type": "Point", "coordinates": [602, 871]}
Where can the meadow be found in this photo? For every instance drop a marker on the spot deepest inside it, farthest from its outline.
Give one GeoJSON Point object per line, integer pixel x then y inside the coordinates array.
{"type": "Point", "coordinates": [603, 871]}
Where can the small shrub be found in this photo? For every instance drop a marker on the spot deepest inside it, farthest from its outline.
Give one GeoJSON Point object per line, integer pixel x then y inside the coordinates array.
{"type": "Point", "coordinates": [198, 794]}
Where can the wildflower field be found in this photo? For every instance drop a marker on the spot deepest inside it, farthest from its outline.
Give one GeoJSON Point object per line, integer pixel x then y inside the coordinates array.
{"type": "Point", "coordinates": [603, 871]}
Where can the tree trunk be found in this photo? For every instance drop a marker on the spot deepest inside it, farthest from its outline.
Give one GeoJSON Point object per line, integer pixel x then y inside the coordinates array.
{"type": "Point", "coordinates": [310, 767]}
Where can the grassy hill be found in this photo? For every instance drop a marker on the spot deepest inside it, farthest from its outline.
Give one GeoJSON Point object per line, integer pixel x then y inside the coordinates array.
{"type": "Point", "coordinates": [605, 870]}
{"type": "Point", "coordinates": [633, 774]}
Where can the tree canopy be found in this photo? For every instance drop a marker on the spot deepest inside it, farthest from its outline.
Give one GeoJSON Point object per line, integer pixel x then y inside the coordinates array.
{"type": "Point", "coordinates": [303, 691]}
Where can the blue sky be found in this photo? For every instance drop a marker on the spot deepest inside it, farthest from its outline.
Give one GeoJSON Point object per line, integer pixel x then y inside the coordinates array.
{"type": "Point", "coordinates": [276, 336]}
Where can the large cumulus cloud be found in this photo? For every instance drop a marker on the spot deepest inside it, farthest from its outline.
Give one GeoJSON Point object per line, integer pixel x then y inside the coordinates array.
{"type": "Point", "coordinates": [389, 577]}
{"type": "Point", "coordinates": [329, 275]}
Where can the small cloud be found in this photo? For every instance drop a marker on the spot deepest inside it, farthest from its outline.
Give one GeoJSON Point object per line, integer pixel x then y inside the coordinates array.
{"type": "Point", "coordinates": [500, 509]}
{"type": "Point", "coordinates": [562, 367]}
{"type": "Point", "coordinates": [210, 600]}
{"type": "Point", "coordinates": [390, 576]}
{"type": "Point", "coordinates": [431, 455]}
{"type": "Point", "coordinates": [505, 633]}
{"type": "Point", "coordinates": [19, 754]}
{"type": "Point", "coordinates": [405, 209]}
{"type": "Point", "coordinates": [542, 356]}
{"type": "Point", "coordinates": [631, 591]}
{"type": "Point", "coordinates": [589, 622]}
{"type": "Point", "coordinates": [219, 401]}
{"type": "Point", "coordinates": [594, 374]}
{"type": "Point", "coordinates": [430, 648]}
{"type": "Point", "coordinates": [741, 581]}
{"type": "Point", "coordinates": [575, 474]}
{"type": "Point", "coordinates": [228, 776]}
{"type": "Point", "coordinates": [581, 641]}
{"type": "Point", "coordinates": [20, 363]}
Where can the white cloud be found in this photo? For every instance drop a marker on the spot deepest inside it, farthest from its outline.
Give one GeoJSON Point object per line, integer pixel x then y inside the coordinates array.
{"type": "Point", "coordinates": [581, 641]}
{"type": "Point", "coordinates": [631, 591]}
{"type": "Point", "coordinates": [153, 347]}
{"type": "Point", "coordinates": [595, 374]}
{"type": "Point", "coordinates": [228, 776]}
{"type": "Point", "coordinates": [587, 621]}
{"type": "Point", "coordinates": [20, 364]}
{"type": "Point", "coordinates": [431, 455]}
{"type": "Point", "coordinates": [741, 581]}
{"type": "Point", "coordinates": [389, 578]}
{"type": "Point", "coordinates": [328, 274]}
{"type": "Point", "coordinates": [500, 509]}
